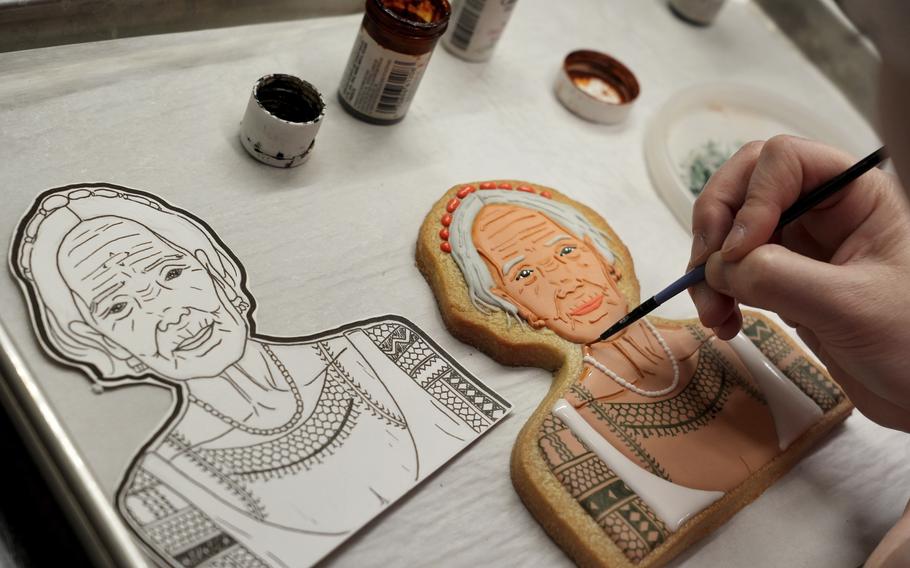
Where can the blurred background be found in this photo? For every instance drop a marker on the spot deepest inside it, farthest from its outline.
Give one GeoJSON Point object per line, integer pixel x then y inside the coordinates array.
{"type": "Point", "coordinates": [817, 27]}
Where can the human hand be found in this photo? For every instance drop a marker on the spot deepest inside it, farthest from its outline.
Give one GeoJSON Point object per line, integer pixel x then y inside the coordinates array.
{"type": "Point", "coordinates": [894, 549]}
{"type": "Point", "coordinates": [836, 274]}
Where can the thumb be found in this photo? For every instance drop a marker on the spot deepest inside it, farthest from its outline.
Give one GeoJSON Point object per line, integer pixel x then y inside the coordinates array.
{"type": "Point", "coordinates": [799, 289]}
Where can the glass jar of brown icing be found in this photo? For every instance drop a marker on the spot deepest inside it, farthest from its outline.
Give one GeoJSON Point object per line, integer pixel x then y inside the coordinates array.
{"type": "Point", "coordinates": [389, 57]}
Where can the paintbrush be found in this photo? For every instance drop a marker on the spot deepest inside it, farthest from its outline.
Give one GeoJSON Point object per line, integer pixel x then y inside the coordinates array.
{"type": "Point", "coordinates": [802, 205]}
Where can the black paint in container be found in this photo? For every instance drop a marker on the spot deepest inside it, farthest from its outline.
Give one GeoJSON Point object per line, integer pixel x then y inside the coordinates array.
{"type": "Point", "coordinates": [289, 98]}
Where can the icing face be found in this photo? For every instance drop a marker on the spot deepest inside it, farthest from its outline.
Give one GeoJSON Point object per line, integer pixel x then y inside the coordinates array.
{"type": "Point", "coordinates": [141, 298]}
{"type": "Point", "coordinates": [554, 278]}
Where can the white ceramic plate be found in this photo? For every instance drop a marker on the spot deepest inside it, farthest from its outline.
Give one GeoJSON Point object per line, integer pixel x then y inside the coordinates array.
{"type": "Point", "coordinates": [699, 127]}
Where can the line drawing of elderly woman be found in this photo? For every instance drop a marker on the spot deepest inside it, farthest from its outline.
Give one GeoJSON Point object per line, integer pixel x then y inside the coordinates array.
{"type": "Point", "coordinates": [278, 448]}
{"type": "Point", "coordinates": [680, 416]}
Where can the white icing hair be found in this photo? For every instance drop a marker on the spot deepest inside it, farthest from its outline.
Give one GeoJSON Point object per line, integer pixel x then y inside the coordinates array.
{"type": "Point", "coordinates": [464, 252]}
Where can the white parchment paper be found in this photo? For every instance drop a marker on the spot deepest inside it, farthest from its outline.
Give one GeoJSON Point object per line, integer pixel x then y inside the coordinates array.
{"type": "Point", "coordinates": [333, 241]}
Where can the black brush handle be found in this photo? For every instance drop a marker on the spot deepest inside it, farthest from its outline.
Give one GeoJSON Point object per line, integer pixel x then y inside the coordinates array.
{"type": "Point", "coordinates": [802, 205]}
{"type": "Point", "coordinates": [832, 186]}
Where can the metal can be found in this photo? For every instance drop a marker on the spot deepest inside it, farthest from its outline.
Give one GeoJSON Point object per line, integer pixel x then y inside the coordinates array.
{"type": "Point", "coordinates": [477, 27]}
{"type": "Point", "coordinates": [389, 57]}
{"type": "Point", "coordinates": [698, 12]}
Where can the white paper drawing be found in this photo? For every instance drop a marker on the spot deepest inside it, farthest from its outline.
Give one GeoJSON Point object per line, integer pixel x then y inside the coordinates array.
{"type": "Point", "coordinates": [277, 449]}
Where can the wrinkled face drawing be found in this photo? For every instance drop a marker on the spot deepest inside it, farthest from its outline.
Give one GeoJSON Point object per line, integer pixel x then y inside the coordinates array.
{"type": "Point", "coordinates": [141, 298]}
{"type": "Point", "coordinates": [554, 278]}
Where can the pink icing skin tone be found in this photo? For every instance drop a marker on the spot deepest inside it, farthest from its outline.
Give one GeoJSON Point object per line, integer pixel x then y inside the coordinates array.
{"type": "Point", "coordinates": [563, 283]}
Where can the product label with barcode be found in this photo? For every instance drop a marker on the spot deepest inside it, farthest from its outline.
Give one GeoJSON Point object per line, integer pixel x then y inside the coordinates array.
{"type": "Point", "coordinates": [379, 82]}
{"type": "Point", "coordinates": [478, 25]}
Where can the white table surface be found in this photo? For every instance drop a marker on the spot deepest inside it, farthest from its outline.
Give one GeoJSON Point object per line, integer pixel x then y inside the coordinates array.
{"type": "Point", "coordinates": [333, 241]}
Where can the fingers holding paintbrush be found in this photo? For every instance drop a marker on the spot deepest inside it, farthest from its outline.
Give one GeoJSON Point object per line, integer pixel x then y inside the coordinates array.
{"type": "Point", "coordinates": [741, 208]}
{"type": "Point", "coordinates": [712, 219]}
{"type": "Point", "coordinates": [773, 184]}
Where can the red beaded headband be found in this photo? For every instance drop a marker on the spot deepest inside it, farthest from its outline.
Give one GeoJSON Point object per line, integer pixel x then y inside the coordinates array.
{"type": "Point", "coordinates": [453, 204]}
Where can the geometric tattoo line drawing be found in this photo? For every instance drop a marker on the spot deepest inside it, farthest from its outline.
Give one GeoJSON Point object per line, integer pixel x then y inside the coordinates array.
{"type": "Point", "coordinates": [276, 449]}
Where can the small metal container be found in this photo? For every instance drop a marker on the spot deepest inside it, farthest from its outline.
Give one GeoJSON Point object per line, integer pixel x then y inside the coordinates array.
{"type": "Point", "coordinates": [282, 117]}
{"type": "Point", "coordinates": [476, 27]}
{"type": "Point", "coordinates": [596, 87]}
{"type": "Point", "coordinates": [698, 12]}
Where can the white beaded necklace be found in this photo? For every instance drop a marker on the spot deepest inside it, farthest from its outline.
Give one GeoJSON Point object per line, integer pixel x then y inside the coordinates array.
{"type": "Point", "coordinates": [626, 384]}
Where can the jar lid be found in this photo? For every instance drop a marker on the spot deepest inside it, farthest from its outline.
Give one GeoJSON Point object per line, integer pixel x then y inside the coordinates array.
{"type": "Point", "coordinates": [596, 86]}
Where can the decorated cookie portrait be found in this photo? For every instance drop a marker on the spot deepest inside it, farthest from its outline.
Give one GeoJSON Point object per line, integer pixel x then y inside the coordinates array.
{"type": "Point", "coordinates": [276, 449]}
{"type": "Point", "coordinates": [649, 440]}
